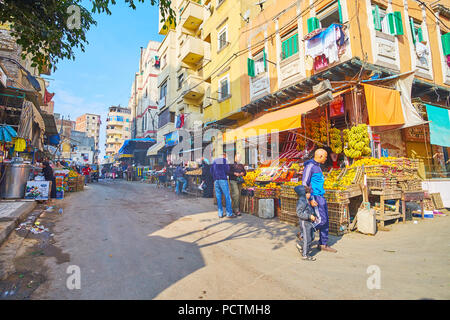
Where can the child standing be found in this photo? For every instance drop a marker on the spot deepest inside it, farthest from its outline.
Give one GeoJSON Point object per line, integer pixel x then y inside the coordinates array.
{"type": "Point", "coordinates": [306, 217]}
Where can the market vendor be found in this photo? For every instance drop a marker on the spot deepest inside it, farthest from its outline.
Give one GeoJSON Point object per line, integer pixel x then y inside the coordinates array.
{"type": "Point", "coordinates": [313, 178]}
{"type": "Point", "coordinates": [236, 174]}
{"type": "Point", "coordinates": [49, 176]}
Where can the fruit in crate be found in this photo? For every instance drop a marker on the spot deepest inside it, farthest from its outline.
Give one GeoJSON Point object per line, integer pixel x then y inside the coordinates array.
{"type": "Point", "coordinates": [264, 178]}
{"type": "Point", "coordinates": [358, 141]}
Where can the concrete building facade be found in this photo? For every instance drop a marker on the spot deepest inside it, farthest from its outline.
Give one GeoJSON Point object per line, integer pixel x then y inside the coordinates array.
{"type": "Point", "coordinates": [90, 124]}
{"type": "Point", "coordinates": [118, 129]}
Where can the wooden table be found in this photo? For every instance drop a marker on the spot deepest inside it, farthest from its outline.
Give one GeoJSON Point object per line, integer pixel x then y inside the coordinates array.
{"type": "Point", "coordinates": [417, 196]}
{"type": "Point", "coordinates": [383, 216]}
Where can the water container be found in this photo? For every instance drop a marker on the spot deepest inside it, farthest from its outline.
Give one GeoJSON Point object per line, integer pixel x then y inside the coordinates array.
{"type": "Point", "coordinates": [366, 221]}
{"type": "Point", "coordinates": [266, 208]}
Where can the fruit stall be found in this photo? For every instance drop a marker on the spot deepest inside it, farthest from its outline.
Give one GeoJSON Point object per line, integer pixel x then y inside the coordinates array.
{"type": "Point", "coordinates": [194, 178]}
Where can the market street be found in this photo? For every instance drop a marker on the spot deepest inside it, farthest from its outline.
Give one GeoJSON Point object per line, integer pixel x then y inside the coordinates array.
{"type": "Point", "coordinates": [134, 241]}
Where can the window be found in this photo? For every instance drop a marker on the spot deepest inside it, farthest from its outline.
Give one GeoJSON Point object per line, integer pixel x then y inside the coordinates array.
{"type": "Point", "coordinates": [445, 38]}
{"type": "Point", "coordinates": [416, 31]}
{"type": "Point", "coordinates": [222, 38]}
{"type": "Point", "coordinates": [180, 80]}
{"type": "Point", "coordinates": [224, 88]}
{"type": "Point", "coordinates": [389, 23]}
{"type": "Point", "coordinates": [289, 44]}
{"type": "Point", "coordinates": [163, 90]}
{"type": "Point", "coordinates": [332, 13]}
{"type": "Point", "coordinates": [260, 62]}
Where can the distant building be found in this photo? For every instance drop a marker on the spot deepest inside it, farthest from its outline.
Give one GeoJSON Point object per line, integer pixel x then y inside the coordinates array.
{"type": "Point", "coordinates": [82, 147]}
{"type": "Point", "coordinates": [118, 129]}
{"type": "Point", "coordinates": [90, 124]}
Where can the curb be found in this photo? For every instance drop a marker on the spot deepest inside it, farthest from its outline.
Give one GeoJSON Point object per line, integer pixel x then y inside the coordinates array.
{"type": "Point", "coordinates": [18, 216]}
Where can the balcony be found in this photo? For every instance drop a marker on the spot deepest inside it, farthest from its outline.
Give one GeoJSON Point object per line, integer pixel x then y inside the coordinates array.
{"type": "Point", "coordinates": [387, 53]}
{"type": "Point", "coordinates": [193, 88]}
{"type": "Point", "coordinates": [259, 85]}
{"type": "Point", "coordinates": [192, 50]}
{"type": "Point", "coordinates": [162, 103]}
{"type": "Point", "coordinates": [192, 15]}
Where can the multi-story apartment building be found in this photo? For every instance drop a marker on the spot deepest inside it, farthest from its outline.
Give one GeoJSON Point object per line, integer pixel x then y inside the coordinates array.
{"type": "Point", "coordinates": [181, 85]}
{"type": "Point", "coordinates": [144, 96]}
{"type": "Point", "coordinates": [90, 124]}
{"type": "Point", "coordinates": [118, 129]}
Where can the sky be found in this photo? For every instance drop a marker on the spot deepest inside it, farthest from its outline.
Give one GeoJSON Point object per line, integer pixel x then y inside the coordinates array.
{"type": "Point", "coordinates": [102, 75]}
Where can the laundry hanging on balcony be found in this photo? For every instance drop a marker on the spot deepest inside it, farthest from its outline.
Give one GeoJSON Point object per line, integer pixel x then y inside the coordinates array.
{"type": "Point", "coordinates": [326, 47]}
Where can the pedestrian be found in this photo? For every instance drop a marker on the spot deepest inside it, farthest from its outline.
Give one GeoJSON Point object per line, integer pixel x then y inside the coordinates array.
{"type": "Point", "coordinates": [86, 172]}
{"type": "Point", "coordinates": [129, 173]}
{"type": "Point", "coordinates": [49, 176]}
{"type": "Point", "coordinates": [306, 216]}
{"type": "Point", "coordinates": [219, 170]}
{"type": "Point", "coordinates": [236, 174]}
{"type": "Point", "coordinates": [313, 178]}
{"type": "Point", "coordinates": [207, 179]}
{"type": "Point", "coordinates": [180, 179]}
{"type": "Point", "coordinates": [103, 173]}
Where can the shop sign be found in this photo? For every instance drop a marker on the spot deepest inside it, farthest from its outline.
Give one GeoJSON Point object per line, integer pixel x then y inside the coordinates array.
{"type": "Point", "coordinates": [171, 139]}
{"type": "Point", "coordinates": [376, 137]}
{"type": "Point", "coordinates": [416, 134]}
{"type": "Point", "coordinates": [37, 190]}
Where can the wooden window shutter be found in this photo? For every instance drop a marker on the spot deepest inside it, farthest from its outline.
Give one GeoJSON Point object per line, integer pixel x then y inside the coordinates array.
{"type": "Point", "coordinates": [376, 18]}
{"type": "Point", "coordinates": [398, 23]}
{"type": "Point", "coordinates": [341, 20]}
{"type": "Point", "coordinates": [391, 23]}
{"type": "Point", "coordinates": [251, 67]}
{"type": "Point", "coordinates": [419, 34]}
{"type": "Point", "coordinates": [446, 44]}
{"type": "Point", "coordinates": [413, 30]}
{"type": "Point", "coordinates": [313, 24]}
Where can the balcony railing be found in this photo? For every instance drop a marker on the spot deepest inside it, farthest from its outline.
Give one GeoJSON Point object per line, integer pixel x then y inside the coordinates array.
{"type": "Point", "coordinates": [193, 15]}
{"type": "Point", "coordinates": [192, 50]}
{"type": "Point", "coordinates": [193, 88]}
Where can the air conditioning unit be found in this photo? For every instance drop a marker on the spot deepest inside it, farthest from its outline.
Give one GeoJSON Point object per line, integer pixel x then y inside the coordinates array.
{"type": "Point", "coordinates": [324, 98]}
{"type": "Point", "coordinates": [322, 87]}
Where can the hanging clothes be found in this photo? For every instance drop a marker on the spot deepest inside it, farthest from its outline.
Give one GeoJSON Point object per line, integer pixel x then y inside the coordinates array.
{"type": "Point", "coordinates": [330, 47]}
{"type": "Point", "coordinates": [320, 62]}
{"type": "Point", "coordinates": [20, 145]}
{"type": "Point", "coordinates": [181, 120]}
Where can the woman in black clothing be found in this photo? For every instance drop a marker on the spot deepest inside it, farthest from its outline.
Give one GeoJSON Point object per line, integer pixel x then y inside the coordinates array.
{"type": "Point", "coordinates": [207, 178]}
{"type": "Point", "coordinates": [48, 175]}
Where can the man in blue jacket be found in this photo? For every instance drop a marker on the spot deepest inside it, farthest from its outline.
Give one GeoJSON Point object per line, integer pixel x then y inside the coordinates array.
{"type": "Point", "coordinates": [219, 170]}
{"type": "Point", "coordinates": [313, 178]}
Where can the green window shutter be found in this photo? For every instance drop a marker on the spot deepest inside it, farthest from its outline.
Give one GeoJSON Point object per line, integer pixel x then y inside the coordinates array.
{"type": "Point", "coordinates": [251, 67]}
{"type": "Point", "coordinates": [295, 40]}
{"type": "Point", "coordinates": [376, 18]}
{"type": "Point", "coordinates": [313, 24]}
{"type": "Point", "coordinates": [446, 44]}
{"type": "Point", "coordinates": [265, 60]}
{"type": "Point", "coordinates": [289, 45]}
{"type": "Point", "coordinates": [419, 34]}
{"type": "Point", "coordinates": [391, 23]}
{"type": "Point", "coordinates": [413, 30]}
{"type": "Point", "coordinates": [341, 20]}
{"type": "Point", "coordinates": [398, 23]}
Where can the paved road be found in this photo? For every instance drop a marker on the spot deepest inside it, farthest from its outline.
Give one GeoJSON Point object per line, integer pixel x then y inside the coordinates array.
{"type": "Point", "coordinates": [133, 241]}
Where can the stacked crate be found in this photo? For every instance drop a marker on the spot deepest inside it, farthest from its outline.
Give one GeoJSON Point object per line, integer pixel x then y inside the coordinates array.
{"type": "Point", "coordinates": [288, 205]}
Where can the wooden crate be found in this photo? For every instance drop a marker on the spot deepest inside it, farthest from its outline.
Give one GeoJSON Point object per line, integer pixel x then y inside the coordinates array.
{"type": "Point", "coordinates": [288, 205]}
{"type": "Point", "coordinates": [288, 217]}
{"type": "Point", "coordinates": [437, 200]}
{"type": "Point", "coordinates": [288, 192]}
{"type": "Point", "coordinates": [338, 196]}
{"type": "Point", "coordinates": [338, 212]}
{"type": "Point", "coordinates": [338, 229]}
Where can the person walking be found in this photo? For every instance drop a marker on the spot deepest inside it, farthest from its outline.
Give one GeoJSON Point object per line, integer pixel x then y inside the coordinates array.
{"type": "Point", "coordinates": [86, 172]}
{"type": "Point", "coordinates": [129, 173]}
{"type": "Point", "coordinates": [236, 174]}
{"type": "Point", "coordinates": [313, 178]}
{"type": "Point", "coordinates": [47, 170]}
{"type": "Point", "coordinates": [180, 179]}
{"type": "Point", "coordinates": [219, 170]}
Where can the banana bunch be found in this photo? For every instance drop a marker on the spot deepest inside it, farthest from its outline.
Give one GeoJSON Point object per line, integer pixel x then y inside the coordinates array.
{"type": "Point", "coordinates": [324, 127]}
{"type": "Point", "coordinates": [271, 185]}
{"type": "Point", "coordinates": [313, 129]}
{"type": "Point", "coordinates": [335, 140]}
{"type": "Point", "coordinates": [293, 184]}
{"type": "Point", "coordinates": [358, 142]}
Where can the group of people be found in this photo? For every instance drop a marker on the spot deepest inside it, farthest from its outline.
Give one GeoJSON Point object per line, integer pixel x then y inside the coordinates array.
{"type": "Point", "coordinates": [125, 171]}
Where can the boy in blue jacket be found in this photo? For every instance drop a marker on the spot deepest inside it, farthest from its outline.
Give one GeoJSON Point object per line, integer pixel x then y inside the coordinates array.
{"type": "Point", "coordinates": [306, 217]}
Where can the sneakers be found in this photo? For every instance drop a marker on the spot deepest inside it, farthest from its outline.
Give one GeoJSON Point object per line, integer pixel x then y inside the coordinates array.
{"type": "Point", "coordinates": [308, 258]}
{"type": "Point", "coordinates": [326, 248]}
{"type": "Point", "coordinates": [232, 216]}
{"type": "Point", "coordinates": [299, 248]}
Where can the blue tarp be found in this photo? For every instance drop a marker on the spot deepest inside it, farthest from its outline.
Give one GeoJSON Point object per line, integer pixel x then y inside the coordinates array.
{"type": "Point", "coordinates": [439, 125]}
{"type": "Point", "coordinates": [131, 145]}
{"type": "Point", "coordinates": [7, 133]}
{"type": "Point", "coordinates": [54, 140]}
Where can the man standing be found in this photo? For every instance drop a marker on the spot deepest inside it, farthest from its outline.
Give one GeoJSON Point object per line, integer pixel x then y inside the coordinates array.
{"type": "Point", "coordinates": [180, 179]}
{"type": "Point", "coordinates": [219, 171]}
{"type": "Point", "coordinates": [86, 172]}
{"type": "Point", "coordinates": [237, 172]}
{"type": "Point", "coordinates": [313, 178]}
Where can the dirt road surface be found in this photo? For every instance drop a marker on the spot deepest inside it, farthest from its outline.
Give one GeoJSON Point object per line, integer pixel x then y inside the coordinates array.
{"type": "Point", "coordinates": [133, 241]}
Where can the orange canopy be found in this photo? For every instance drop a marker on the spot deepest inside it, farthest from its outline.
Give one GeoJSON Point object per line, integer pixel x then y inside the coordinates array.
{"type": "Point", "coordinates": [384, 106]}
{"type": "Point", "coordinates": [276, 121]}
